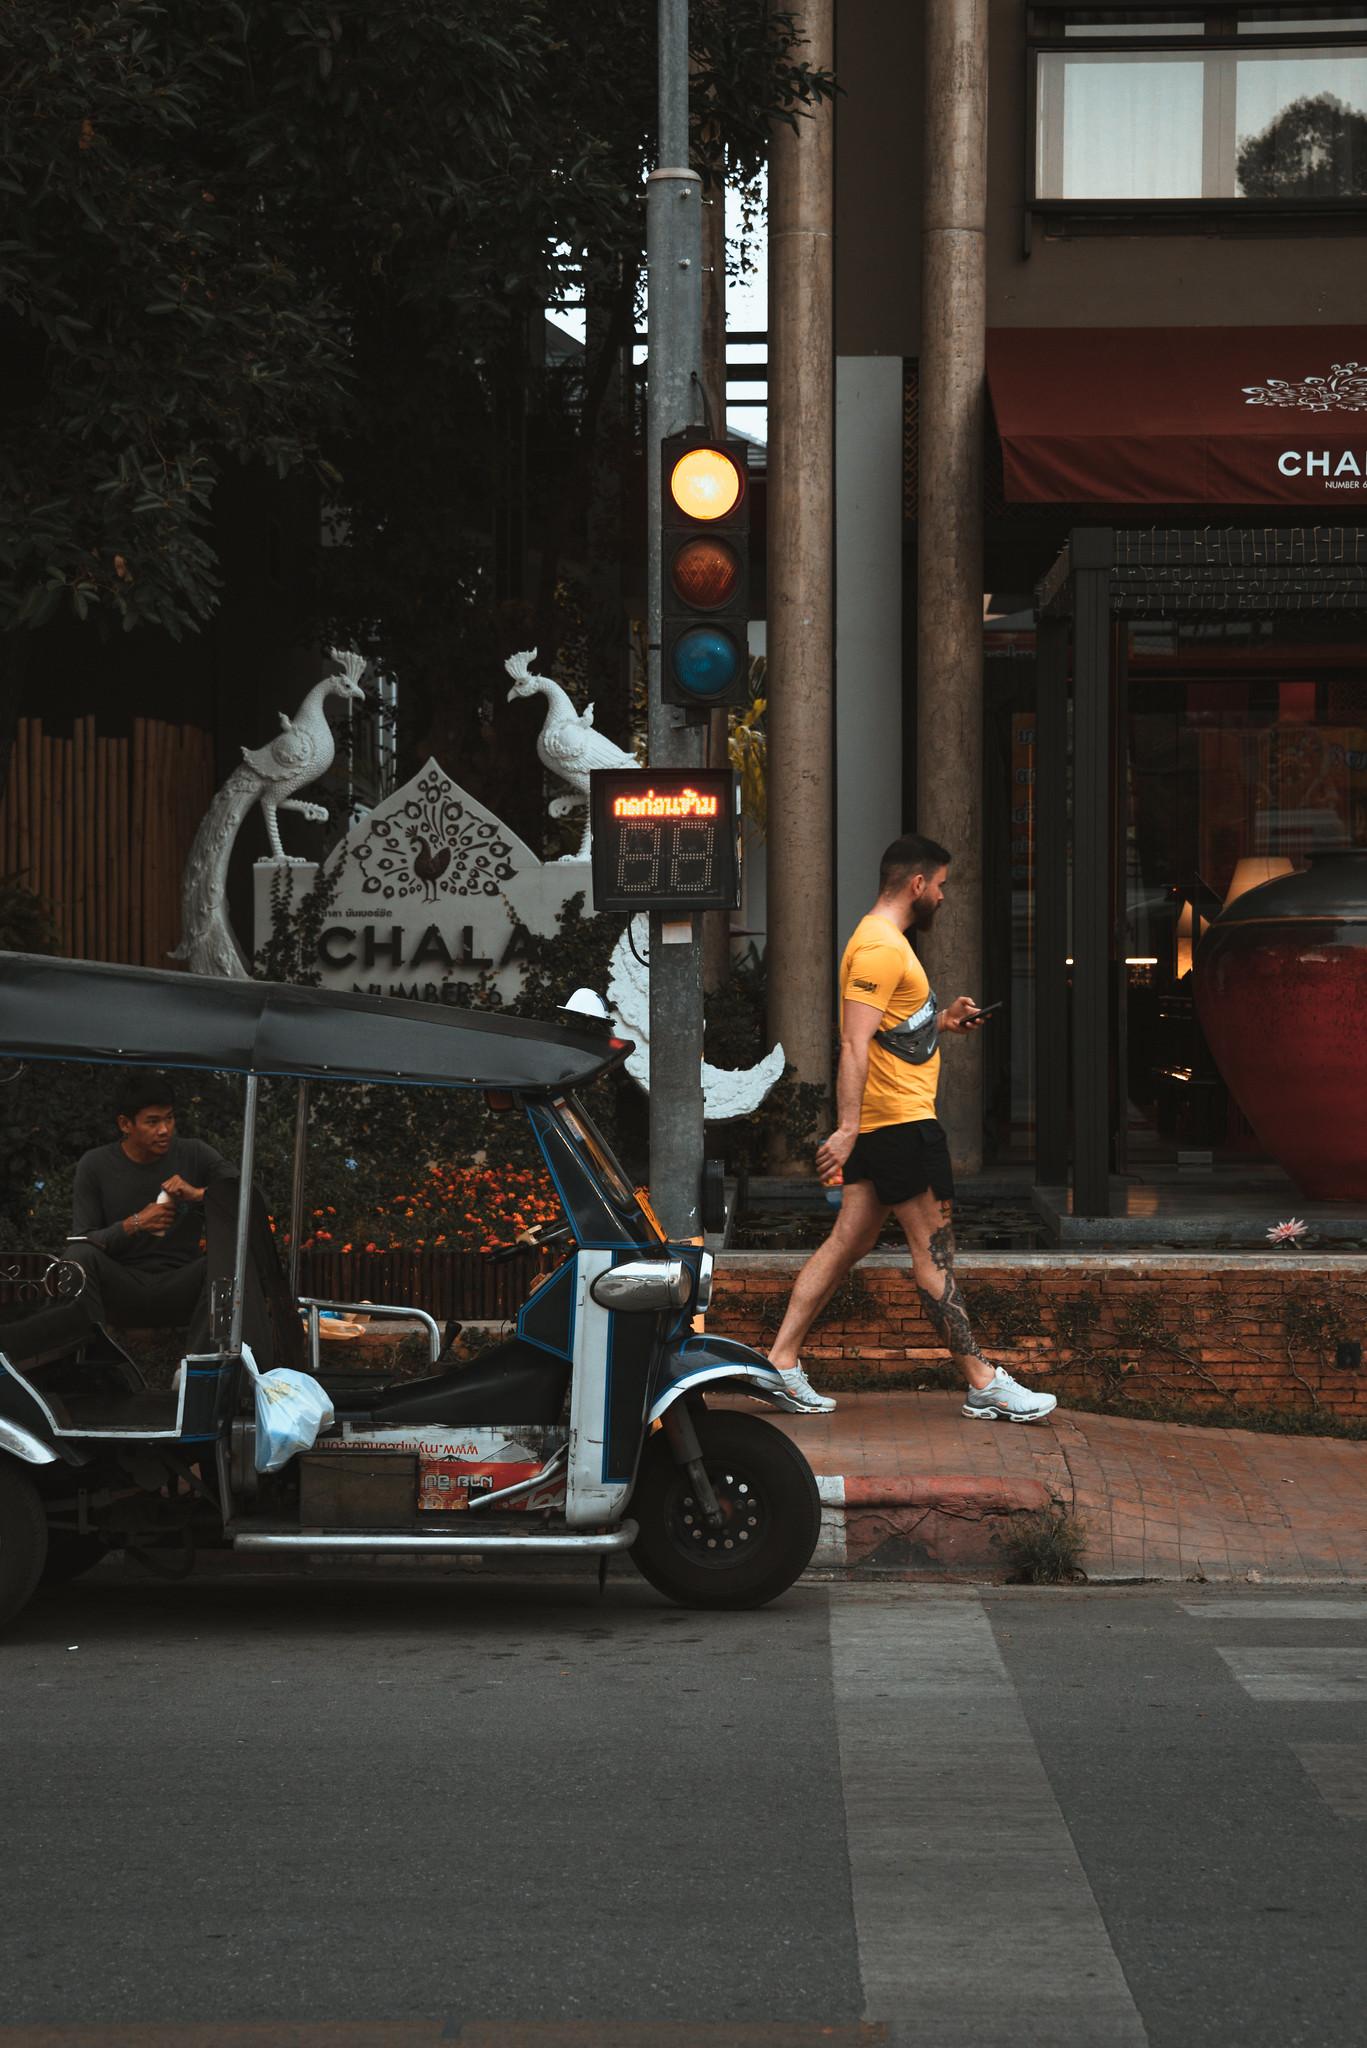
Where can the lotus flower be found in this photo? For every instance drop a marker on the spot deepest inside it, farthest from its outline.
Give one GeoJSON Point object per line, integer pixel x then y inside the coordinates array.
{"type": "Point", "coordinates": [1288, 1232]}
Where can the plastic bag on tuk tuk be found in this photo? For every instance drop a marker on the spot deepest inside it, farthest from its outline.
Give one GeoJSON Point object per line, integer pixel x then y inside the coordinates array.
{"type": "Point", "coordinates": [291, 1408]}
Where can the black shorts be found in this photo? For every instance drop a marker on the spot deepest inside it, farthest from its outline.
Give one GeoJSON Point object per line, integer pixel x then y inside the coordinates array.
{"type": "Point", "coordinates": [902, 1161]}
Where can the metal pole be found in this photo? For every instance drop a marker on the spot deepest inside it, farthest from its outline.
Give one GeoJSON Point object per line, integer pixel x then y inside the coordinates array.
{"type": "Point", "coordinates": [244, 1212]}
{"type": "Point", "coordinates": [949, 612]}
{"type": "Point", "coordinates": [1092, 551]}
{"type": "Point", "coordinates": [1051, 902]}
{"type": "Point", "coordinates": [301, 1141]}
{"type": "Point", "coordinates": [674, 310]}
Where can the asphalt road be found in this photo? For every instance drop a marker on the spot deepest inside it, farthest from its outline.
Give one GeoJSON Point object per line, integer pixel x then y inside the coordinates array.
{"type": "Point", "coordinates": [378, 1813]}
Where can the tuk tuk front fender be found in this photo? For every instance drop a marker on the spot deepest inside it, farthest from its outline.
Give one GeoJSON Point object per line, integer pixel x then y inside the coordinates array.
{"type": "Point", "coordinates": [23, 1444]}
{"type": "Point", "coordinates": [690, 1363]}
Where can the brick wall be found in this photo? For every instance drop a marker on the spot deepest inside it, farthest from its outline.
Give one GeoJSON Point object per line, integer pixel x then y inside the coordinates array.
{"type": "Point", "coordinates": [1257, 1331]}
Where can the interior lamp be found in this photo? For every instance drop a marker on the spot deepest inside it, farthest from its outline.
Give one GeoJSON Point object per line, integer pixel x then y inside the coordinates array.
{"type": "Point", "coordinates": [1253, 869]}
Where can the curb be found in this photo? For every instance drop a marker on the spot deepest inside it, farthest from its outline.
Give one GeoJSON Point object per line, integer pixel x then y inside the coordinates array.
{"type": "Point", "coordinates": [871, 1526]}
{"type": "Point", "coordinates": [939, 1523]}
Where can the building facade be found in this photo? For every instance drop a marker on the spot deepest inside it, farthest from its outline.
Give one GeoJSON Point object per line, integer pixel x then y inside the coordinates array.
{"type": "Point", "coordinates": [1176, 348]}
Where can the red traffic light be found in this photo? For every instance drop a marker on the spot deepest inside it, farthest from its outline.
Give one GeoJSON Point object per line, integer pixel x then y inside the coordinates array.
{"type": "Point", "coordinates": [705, 573]}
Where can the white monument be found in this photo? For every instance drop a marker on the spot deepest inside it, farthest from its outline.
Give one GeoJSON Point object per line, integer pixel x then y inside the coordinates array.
{"type": "Point", "coordinates": [432, 893]}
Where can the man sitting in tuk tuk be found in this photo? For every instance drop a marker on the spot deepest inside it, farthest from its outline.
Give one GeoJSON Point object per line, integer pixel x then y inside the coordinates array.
{"type": "Point", "coordinates": [136, 1212]}
{"type": "Point", "coordinates": [143, 1210]}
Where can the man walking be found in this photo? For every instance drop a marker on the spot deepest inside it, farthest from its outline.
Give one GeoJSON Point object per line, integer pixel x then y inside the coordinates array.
{"type": "Point", "coordinates": [888, 1142]}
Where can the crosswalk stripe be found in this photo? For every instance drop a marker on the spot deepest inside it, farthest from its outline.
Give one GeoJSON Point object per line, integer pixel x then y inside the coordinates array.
{"type": "Point", "coordinates": [1276, 1610]}
{"type": "Point", "coordinates": [976, 1925]}
{"type": "Point", "coordinates": [1300, 1674]}
{"type": "Point", "coordinates": [1338, 1771]}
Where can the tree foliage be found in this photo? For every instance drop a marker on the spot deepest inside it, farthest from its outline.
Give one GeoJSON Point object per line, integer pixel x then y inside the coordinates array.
{"type": "Point", "coordinates": [319, 236]}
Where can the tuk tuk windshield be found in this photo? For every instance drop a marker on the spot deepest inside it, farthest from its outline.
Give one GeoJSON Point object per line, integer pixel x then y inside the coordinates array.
{"type": "Point", "coordinates": [599, 1199]}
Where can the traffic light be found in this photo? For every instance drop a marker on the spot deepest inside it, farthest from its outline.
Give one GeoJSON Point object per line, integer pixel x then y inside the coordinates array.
{"type": "Point", "coordinates": [705, 556]}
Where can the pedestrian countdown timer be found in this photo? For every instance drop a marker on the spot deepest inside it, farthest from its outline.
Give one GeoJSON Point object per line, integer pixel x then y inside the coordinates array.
{"type": "Point", "coordinates": [705, 552]}
{"type": "Point", "coordinates": [665, 839]}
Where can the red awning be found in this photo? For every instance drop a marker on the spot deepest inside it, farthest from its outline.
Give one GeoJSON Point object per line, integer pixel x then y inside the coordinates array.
{"type": "Point", "coordinates": [1182, 415]}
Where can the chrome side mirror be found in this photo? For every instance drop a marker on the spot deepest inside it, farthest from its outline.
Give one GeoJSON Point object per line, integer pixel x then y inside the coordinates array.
{"type": "Point", "coordinates": [645, 1286]}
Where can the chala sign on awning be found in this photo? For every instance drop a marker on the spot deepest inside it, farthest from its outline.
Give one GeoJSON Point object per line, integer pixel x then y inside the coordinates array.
{"type": "Point", "coordinates": [1232, 416]}
{"type": "Point", "coordinates": [1343, 471]}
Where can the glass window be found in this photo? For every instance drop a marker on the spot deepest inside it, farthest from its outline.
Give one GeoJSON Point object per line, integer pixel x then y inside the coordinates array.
{"type": "Point", "coordinates": [597, 1196]}
{"type": "Point", "coordinates": [1126, 125]}
{"type": "Point", "coordinates": [1277, 123]}
{"type": "Point", "coordinates": [1246, 751]}
{"type": "Point", "coordinates": [1212, 121]}
{"type": "Point", "coordinates": [1300, 125]}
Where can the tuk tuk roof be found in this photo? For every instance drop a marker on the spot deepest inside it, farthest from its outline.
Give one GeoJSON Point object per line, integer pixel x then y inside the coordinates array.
{"type": "Point", "coordinates": [141, 1016]}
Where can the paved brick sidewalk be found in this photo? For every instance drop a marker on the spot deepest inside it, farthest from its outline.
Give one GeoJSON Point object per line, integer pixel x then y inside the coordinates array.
{"type": "Point", "coordinates": [1160, 1500]}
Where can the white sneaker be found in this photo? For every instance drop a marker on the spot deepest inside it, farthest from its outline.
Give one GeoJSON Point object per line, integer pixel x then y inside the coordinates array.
{"type": "Point", "coordinates": [1006, 1400]}
{"type": "Point", "coordinates": [799, 1396]}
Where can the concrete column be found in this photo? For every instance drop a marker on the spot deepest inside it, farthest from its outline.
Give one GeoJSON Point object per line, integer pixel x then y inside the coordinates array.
{"type": "Point", "coordinates": [868, 627]}
{"type": "Point", "coordinates": [950, 527]}
{"type": "Point", "coordinates": [800, 946]}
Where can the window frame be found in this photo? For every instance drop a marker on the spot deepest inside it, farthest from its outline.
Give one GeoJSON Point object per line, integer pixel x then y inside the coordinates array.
{"type": "Point", "coordinates": [1045, 36]}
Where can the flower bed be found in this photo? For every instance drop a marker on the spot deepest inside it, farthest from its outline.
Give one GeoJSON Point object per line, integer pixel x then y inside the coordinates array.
{"type": "Point", "coordinates": [443, 1208]}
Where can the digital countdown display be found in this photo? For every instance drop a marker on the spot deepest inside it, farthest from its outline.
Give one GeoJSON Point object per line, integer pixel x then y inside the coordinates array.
{"type": "Point", "coordinates": [665, 839]}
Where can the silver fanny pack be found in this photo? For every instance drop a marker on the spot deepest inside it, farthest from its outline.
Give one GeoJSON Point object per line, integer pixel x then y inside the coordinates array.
{"type": "Point", "coordinates": [916, 1037]}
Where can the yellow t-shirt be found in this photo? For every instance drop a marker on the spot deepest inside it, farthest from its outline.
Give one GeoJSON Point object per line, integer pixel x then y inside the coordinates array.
{"type": "Point", "coordinates": [880, 969]}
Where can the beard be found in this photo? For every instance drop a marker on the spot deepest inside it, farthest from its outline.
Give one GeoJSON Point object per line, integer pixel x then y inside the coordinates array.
{"type": "Point", "coordinates": [923, 914]}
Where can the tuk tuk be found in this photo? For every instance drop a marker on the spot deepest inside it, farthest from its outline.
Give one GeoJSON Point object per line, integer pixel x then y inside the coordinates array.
{"type": "Point", "coordinates": [587, 1431]}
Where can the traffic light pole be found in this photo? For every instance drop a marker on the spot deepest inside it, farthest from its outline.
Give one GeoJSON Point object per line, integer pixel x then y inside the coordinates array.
{"type": "Point", "coordinates": [674, 336]}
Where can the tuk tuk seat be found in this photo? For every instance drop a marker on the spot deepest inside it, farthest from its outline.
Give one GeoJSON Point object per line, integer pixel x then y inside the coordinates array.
{"type": "Point", "coordinates": [515, 1381]}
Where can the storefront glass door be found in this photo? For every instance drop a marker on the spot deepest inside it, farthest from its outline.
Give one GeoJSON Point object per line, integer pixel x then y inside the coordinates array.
{"type": "Point", "coordinates": [1244, 750]}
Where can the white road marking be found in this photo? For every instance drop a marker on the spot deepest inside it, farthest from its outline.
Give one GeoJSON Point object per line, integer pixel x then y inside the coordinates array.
{"type": "Point", "coordinates": [1281, 1674]}
{"type": "Point", "coordinates": [976, 1925]}
{"type": "Point", "coordinates": [1338, 1771]}
{"type": "Point", "coordinates": [1276, 1610]}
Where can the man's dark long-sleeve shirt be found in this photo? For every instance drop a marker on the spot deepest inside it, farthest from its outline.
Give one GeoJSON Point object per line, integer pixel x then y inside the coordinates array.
{"type": "Point", "coordinates": [110, 1186]}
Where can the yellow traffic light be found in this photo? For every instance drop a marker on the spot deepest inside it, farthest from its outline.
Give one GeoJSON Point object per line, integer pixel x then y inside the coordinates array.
{"type": "Point", "coordinates": [705, 483]}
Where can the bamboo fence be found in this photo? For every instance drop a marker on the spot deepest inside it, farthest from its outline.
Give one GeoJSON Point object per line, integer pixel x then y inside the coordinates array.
{"type": "Point", "coordinates": [100, 829]}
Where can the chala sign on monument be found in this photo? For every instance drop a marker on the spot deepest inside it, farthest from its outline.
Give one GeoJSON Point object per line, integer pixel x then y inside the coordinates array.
{"type": "Point", "coordinates": [432, 890]}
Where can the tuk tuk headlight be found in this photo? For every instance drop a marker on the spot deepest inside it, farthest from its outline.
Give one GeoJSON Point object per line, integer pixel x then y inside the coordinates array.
{"type": "Point", "coordinates": [645, 1286]}
{"type": "Point", "coordinates": [704, 1295]}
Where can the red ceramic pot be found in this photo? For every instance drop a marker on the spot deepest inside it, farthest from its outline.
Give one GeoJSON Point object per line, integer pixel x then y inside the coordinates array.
{"type": "Point", "coordinates": [1281, 992]}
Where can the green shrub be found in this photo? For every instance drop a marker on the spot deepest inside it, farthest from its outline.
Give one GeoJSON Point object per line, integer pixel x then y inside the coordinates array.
{"type": "Point", "coordinates": [1046, 1549]}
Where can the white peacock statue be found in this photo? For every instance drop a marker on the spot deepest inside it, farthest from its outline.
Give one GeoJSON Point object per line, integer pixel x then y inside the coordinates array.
{"type": "Point", "coordinates": [270, 776]}
{"type": "Point", "coordinates": [727, 1092]}
{"type": "Point", "coordinates": [567, 743]}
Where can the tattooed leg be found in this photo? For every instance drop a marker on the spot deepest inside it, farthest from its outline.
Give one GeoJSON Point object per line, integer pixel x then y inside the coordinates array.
{"type": "Point", "coordinates": [948, 1317]}
{"type": "Point", "coordinates": [929, 1227]}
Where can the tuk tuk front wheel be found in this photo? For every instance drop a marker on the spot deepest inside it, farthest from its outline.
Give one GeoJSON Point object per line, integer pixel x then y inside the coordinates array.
{"type": "Point", "coordinates": [23, 1540]}
{"type": "Point", "coordinates": [770, 1508]}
